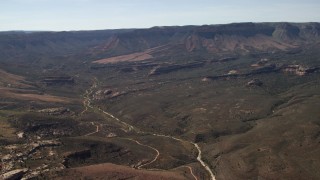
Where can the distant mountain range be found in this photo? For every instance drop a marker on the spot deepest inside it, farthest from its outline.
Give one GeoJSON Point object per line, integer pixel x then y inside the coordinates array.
{"type": "Point", "coordinates": [237, 37]}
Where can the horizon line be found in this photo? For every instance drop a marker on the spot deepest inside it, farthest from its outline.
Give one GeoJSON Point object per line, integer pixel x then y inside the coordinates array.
{"type": "Point", "coordinates": [158, 26]}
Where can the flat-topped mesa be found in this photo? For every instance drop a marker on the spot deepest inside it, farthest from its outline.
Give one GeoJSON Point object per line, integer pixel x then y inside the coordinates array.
{"type": "Point", "coordinates": [52, 80]}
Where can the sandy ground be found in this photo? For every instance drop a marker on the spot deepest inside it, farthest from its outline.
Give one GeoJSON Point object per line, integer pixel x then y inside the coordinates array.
{"type": "Point", "coordinates": [130, 57]}
{"type": "Point", "coordinates": [139, 56]}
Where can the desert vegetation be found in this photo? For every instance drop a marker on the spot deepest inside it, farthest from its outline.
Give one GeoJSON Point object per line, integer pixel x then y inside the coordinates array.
{"type": "Point", "coordinates": [236, 101]}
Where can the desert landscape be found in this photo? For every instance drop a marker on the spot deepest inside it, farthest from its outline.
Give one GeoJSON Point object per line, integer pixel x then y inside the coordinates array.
{"type": "Point", "coordinates": [230, 101]}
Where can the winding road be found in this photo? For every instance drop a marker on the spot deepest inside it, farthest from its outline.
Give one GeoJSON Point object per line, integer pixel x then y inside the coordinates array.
{"type": "Point", "coordinates": [87, 104]}
{"type": "Point", "coordinates": [97, 129]}
{"type": "Point", "coordinates": [191, 172]}
{"type": "Point", "coordinates": [153, 160]}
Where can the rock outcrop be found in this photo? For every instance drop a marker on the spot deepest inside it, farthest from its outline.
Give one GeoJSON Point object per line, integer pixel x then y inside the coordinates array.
{"type": "Point", "coordinates": [255, 82]}
{"type": "Point", "coordinates": [14, 174]}
{"type": "Point", "coordinates": [54, 111]}
{"type": "Point", "coordinates": [299, 69]}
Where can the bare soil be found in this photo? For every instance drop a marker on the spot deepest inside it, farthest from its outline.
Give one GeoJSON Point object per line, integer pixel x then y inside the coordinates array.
{"type": "Point", "coordinates": [139, 56]}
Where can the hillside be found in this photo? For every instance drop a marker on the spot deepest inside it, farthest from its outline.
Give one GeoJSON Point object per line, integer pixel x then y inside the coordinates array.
{"type": "Point", "coordinates": [233, 101]}
{"type": "Point", "coordinates": [239, 38]}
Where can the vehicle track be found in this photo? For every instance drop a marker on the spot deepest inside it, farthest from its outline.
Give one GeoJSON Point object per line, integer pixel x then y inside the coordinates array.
{"type": "Point", "coordinates": [191, 172]}
{"type": "Point", "coordinates": [132, 128]}
{"type": "Point", "coordinates": [153, 160]}
{"type": "Point", "coordinates": [96, 131]}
